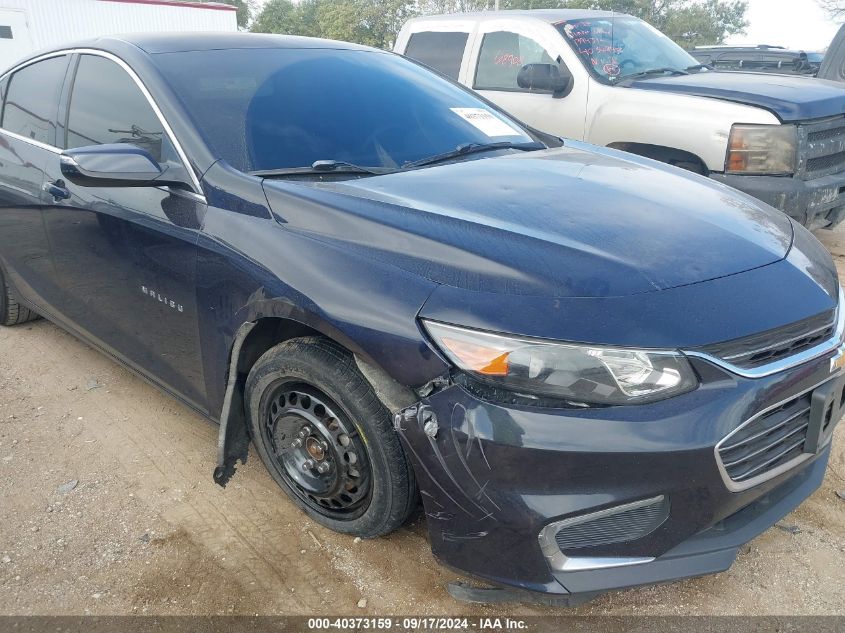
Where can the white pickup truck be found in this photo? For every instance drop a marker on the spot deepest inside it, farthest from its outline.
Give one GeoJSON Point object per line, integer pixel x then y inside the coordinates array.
{"type": "Point", "coordinates": [614, 80]}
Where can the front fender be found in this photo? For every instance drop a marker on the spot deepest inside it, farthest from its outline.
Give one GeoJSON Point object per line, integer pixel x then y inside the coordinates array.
{"type": "Point", "coordinates": [696, 125]}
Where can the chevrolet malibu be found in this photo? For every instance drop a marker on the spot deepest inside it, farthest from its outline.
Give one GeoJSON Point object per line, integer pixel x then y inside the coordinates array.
{"type": "Point", "coordinates": [595, 370]}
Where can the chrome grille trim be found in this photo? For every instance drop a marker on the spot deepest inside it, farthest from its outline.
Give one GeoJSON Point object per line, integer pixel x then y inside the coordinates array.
{"type": "Point", "coordinates": [559, 561]}
{"type": "Point", "coordinates": [783, 364]}
{"type": "Point", "coordinates": [757, 436]}
{"type": "Point", "coordinates": [745, 484]}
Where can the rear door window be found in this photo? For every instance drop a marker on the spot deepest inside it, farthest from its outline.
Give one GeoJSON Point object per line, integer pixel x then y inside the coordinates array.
{"type": "Point", "coordinates": [502, 56]}
{"type": "Point", "coordinates": [32, 100]}
{"type": "Point", "coordinates": [441, 51]}
{"type": "Point", "coordinates": [107, 106]}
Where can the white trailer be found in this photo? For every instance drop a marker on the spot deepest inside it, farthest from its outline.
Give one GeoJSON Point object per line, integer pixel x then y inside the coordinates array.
{"type": "Point", "coordinates": [27, 26]}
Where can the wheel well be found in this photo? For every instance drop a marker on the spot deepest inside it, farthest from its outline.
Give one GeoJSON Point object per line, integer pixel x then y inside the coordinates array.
{"type": "Point", "coordinates": [268, 333]}
{"type": "Point", "coordinates": [261, 336]}
{"type": "Point", "coordinates": [669, 155]}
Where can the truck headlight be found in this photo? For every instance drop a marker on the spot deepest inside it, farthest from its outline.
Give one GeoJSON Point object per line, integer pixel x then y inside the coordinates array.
{"type": "Point", "coordinates": [587, 374]}
{"type": "Point", "coordinates": [762, 150]}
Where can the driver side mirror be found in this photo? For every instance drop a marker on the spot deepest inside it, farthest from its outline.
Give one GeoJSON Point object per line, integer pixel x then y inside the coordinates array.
{"type": "Point", "coordinates": [547, 78]}
{"type": "Point", "coordinates": [118, 165]}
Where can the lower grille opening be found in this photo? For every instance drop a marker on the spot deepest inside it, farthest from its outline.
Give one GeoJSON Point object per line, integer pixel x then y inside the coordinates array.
{"type": "Point", "coordinates": [623, 523]}
{"type": "Point", "coordinates": [773, 439]}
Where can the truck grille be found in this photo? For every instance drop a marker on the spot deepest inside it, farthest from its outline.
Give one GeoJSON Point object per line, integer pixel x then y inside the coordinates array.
{"type": "Point", "coordinates": [835, 162]}
{"type": "Point", "coordinates": [768, 442]}
{"type": "Point", "coordinates": [821, 148]}
{"type": "Point", "coordinates": [773, 345]}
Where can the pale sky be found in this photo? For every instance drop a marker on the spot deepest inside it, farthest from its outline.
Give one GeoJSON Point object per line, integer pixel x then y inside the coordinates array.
{"type": "Point", "coordinates": [799, 24]}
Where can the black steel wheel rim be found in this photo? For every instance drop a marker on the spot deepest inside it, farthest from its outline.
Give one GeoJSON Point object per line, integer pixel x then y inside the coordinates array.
{"type": "Point", "coordinates": [317, 450]}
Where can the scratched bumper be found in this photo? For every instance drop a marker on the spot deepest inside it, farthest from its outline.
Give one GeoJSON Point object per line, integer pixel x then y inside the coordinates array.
{"type": "Point", "coordinates": [494, 476]}
{"type": "Point", "coordinates": [817, 203]}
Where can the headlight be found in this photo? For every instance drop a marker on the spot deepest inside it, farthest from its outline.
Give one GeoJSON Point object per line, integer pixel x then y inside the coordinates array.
{"type": "Point", "coordinates": [576, 373]}
{"type": "Point", "coordinates": [762, 149]}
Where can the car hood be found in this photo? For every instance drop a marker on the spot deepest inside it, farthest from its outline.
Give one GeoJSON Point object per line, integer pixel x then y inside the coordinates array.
{"type": "Point", "coordinates": [572, 222]}
{"type": "Point", "coordinates": [789, 98]}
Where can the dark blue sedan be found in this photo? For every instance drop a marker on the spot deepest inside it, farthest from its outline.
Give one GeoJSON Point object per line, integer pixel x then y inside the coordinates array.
{"type": "Point", "coordinates": [595, 370]}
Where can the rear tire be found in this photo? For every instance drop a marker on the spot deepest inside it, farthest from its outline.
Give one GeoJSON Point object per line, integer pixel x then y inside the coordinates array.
{"type": "Point", "coordinates": [327, 440]}
{"type": "Point", "coordinates": [11, 311]}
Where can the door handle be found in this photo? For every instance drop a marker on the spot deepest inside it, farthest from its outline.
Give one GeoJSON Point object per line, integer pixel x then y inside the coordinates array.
{"type": "Point", "coordinates": [57, 189]}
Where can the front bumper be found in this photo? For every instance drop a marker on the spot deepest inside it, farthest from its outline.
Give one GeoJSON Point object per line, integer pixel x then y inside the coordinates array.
{"type": "Point", "coordinates": [817, 203]}
{"type": "Point", "coordinates": [493, 477]}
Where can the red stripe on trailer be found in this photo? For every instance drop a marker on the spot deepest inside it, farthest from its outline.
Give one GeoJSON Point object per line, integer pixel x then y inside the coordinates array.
{"type": "Point", "coordinates": [172, 3]}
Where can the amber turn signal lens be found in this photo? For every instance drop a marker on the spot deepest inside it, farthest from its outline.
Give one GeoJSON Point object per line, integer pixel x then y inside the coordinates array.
{"type": "Point", "coordinates": [762, 150]}
{"type": "Point", "coordinates": [737, 158]}
{"type": "Point", "coordinates": [484, 360]}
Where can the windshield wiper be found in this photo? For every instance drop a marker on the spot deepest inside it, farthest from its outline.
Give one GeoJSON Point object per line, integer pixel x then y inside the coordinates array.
{"type": "Point", "coordinates": [653, 71]}
{"type": "Point", "coordinates": [473, 148]}
{"type": "Point", "coordinates": [698, 67]}
{"type": "Point", "coordinates": [323, 167]}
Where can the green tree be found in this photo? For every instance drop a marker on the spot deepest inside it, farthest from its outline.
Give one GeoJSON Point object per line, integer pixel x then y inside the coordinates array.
{"type": "Point", "coordinates": [436, 7]}
{"type": "Point", "coordinates": [283, 16]}
{"type": "Point", "coordinates": [376, 22]}
{"type": "Point", "coordinates": [370, 22]}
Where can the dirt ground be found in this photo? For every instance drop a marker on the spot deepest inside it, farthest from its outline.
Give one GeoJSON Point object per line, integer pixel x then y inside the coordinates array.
{"type": "Point", "coordinates": [107, 506]}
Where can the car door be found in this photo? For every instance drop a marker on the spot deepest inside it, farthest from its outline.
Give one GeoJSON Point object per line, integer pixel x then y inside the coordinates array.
{"type": "Point", "coordinates": [126, 256]}
{"type": "Point", "coordinates": [27, 143]}
{"type": "Point", "coordinates": [500, 51]}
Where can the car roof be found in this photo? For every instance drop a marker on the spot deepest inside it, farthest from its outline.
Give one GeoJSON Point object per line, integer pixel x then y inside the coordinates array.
{"type": "Point", "coordinates": [552, 16]}
{"type": "Point", "coordinates": [153, 43]}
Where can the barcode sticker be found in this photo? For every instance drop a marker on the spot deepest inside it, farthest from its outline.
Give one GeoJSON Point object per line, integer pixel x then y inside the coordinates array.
{"type": "Point", "coordinates": [486, 122]}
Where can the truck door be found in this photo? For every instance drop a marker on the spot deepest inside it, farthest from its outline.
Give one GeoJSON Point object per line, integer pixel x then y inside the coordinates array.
{"type": "Point", "coordinates": [442, 51]}
{"type": "Point", "coordinates": [501, 49]}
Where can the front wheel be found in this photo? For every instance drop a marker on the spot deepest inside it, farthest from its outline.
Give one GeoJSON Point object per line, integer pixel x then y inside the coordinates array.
{"type": "Point", "coordinates": [327, 439]}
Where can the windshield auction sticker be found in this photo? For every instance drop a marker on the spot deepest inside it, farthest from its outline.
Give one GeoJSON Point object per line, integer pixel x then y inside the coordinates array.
{"type": "Point", "coordinates": [486, 122]}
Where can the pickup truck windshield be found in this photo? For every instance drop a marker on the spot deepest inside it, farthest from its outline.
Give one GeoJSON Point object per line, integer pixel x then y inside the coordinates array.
{"type": "Point", "coordinates": [615, 48]}
{"type": "Point", "coordinates": [268, 109]}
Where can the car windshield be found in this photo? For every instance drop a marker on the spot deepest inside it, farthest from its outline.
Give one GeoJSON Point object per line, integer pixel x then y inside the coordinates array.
{"type": "Point", "coordinates": [613, 48]}
{"type": "Point", "coordinates": [275, 108]}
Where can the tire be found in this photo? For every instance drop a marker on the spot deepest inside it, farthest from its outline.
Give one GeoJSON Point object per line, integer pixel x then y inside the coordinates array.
{"type": "Point", "coordinates": [11, 311]}
{"type": "Point", "coordinates": [327, 439]}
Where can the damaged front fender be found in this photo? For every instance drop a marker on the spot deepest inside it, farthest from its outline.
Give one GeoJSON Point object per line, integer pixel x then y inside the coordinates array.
{"type": "Point", "coordinates": [462, 460]}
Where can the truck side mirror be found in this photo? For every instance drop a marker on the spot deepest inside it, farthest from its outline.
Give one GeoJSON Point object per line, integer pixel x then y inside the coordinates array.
{"type": "Point", "coordinates": [546, 78]}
